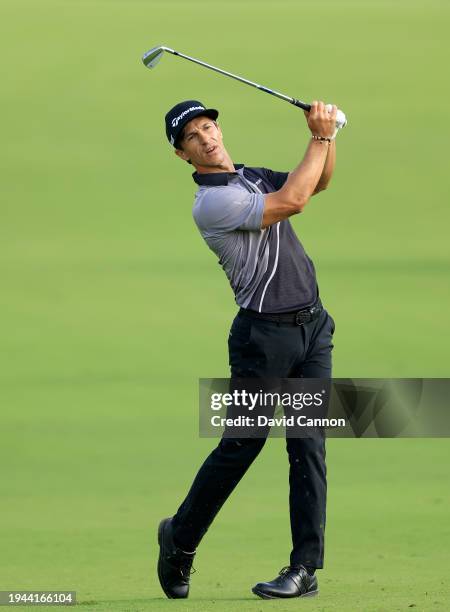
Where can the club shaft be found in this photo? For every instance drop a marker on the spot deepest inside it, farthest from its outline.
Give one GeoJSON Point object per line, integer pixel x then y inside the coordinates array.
{"type": "Point", "coordinates": [277, 94]}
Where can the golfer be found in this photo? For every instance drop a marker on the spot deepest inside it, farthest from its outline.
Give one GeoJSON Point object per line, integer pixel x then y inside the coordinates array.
{"type": "Point", "coordinates": [281, 331]}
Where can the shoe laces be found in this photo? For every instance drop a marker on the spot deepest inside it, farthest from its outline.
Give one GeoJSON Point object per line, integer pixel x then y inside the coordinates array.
{"type": "Point", "coordinates": [184, 564]}
{"type": "Point", "coordinates": [300, 572]}
{"type": "Point", "coordinates": [291, 568]}
{"type": "Point", "coordinates": [285, 570]}
{"type": "Point", "coordinates": [186, 568]}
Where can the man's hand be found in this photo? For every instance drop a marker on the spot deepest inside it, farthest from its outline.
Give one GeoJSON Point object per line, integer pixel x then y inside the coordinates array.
{"type": "Point", "coordinates": [320, 121]}
{"type": "Point", "coordinates": [341, 119]}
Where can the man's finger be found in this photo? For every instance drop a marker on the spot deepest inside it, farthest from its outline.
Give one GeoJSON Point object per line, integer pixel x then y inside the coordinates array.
{"type": "Point", "coordinates": [321, 109]}
{"type": "Point", "coordinates": [314, 107]}
{"type": "Point", "coordinates": [332, 109]}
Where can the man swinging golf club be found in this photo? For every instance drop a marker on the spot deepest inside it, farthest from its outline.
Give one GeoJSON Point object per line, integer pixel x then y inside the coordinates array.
{"type": "Point", "coordinates": [281, 330]}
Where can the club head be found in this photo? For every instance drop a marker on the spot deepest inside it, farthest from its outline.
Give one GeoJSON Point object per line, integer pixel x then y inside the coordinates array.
{"type": "Point", "coordinates": [152, 57]}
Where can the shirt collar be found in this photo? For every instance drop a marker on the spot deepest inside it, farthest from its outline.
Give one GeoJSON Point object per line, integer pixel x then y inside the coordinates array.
{"type": "Point", "coordinates": [215, 179]}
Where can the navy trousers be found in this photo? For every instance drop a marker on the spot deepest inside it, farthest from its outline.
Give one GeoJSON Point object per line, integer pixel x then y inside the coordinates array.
{"type": "Point", "coordinates": [259, 348]}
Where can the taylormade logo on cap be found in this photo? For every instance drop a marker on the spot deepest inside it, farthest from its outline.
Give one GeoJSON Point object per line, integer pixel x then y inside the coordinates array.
{"type": "Point", "coordinates": [183, 112]}
{"type": "Point", "coordinates": [176, 120]}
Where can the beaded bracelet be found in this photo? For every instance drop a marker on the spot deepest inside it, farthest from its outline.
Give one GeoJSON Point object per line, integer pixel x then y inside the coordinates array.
{"type": "Point", "coordinates": [321, 138]}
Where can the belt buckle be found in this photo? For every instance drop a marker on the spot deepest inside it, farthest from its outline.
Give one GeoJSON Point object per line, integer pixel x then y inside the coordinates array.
{"type": "Point", "coordinates": [302, 316]}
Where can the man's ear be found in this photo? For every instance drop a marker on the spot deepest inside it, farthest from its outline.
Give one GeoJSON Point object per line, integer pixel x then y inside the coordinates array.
{"type": "Point", "coordinates": [182, 154]}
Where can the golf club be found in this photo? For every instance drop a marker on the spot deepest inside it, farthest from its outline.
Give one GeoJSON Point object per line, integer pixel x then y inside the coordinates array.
{"type": "Point", "coordinates": [152, 57]}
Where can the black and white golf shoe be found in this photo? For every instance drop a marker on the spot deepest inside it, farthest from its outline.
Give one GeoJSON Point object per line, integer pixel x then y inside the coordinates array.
{"type": "Point", "coordinates": [174, 565]}
{"type": "Point", "coordinates": [291, 582]}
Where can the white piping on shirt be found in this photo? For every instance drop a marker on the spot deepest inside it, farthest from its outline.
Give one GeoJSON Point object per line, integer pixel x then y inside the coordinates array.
{"type": "Point", "coordinates": [276, 254]}
{"type": "Point", "coordinates": [274, 267]}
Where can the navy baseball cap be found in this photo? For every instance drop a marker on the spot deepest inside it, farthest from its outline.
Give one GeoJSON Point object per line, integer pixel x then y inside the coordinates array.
{"type": "Point", "coordinates": [181, 114]}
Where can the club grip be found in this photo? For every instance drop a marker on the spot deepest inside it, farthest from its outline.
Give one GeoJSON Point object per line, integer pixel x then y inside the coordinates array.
{"type": "Point", "coordinates": [300, 104]}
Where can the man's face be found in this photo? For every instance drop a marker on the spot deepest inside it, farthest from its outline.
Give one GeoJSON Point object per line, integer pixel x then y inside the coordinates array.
{"type": "Point", "coordinates": [202, 143]}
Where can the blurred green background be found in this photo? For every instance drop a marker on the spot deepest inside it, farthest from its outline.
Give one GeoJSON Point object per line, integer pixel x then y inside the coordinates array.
{"type": "Point", "coordinates": [112, 307]}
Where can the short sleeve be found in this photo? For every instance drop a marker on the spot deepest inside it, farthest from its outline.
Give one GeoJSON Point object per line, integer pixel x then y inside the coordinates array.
{"type": "Point", "coordinates": [226, 209]}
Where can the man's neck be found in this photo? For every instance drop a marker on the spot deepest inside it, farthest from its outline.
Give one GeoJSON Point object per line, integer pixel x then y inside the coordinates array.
{"type": "Point", "coordinates": [226, 166]}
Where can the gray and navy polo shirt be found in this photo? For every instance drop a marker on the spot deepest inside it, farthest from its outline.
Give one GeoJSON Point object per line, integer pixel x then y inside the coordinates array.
{"type": "Point", "coordinates": [268, 269]}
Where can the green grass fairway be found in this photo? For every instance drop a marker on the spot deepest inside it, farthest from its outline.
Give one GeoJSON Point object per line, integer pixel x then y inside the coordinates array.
{"type": "Point", "coordinates": [112, 307]}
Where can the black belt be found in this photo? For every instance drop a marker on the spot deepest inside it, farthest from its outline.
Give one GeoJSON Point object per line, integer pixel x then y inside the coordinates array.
{"type": "Point", "coordinates": [288, 318]}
